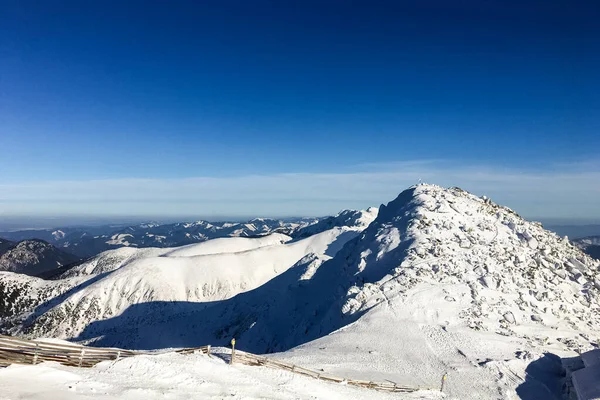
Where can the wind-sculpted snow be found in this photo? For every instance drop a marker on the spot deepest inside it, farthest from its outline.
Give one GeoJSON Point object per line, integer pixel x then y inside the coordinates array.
{"type": "Point", "coordinates": [515, 275]}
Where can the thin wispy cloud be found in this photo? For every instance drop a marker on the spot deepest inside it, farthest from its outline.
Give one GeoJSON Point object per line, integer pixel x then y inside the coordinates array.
{"type": "Point", "coordinates": [571, 192]}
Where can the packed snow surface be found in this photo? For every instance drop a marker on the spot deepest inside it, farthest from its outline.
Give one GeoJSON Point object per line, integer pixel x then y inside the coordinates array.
{"type": "Point", "coordinates": [172, 376]}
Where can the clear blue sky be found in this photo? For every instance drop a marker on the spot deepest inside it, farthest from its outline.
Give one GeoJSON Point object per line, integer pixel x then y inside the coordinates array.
{"type": "Point", "coordinates": [162, 91]}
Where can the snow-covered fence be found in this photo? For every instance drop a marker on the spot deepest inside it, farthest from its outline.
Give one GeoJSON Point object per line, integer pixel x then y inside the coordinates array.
{"type": "Point", "coordinates": [22, 351]}
{"type": "Point", "coordinates": [253, 359]}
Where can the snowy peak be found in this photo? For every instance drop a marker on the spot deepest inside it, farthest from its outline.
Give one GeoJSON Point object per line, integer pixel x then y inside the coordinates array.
{"type": "Point", "coordinates": [354, 219]}
{"type": "Point", "coordinates": [517, 272]}
{"type": "Point", "coordinates": [58, 234]}
{"type": "Point", "coordinates": [34, 257]}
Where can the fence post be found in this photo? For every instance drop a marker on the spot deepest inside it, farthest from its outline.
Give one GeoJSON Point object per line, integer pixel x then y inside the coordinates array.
{"type": "Point", "coordinates": [35, 355]}
{"type": "Point", "coordinates": [81, 356]}
{"type": "Point", "coordinates": [232, 351]}
{"type": "Point", "coordinates": [443, 381]}
{"type": "Point", "coordinates": [208, 350]}
{"type": "Point", "coordinates": [118, 355]}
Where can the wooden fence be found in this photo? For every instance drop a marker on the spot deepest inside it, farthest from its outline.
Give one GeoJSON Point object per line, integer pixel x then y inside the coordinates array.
{"type": "Point", "coordinates": [23, 351]}
{"type": "Point", "coordinates": [253, 359]}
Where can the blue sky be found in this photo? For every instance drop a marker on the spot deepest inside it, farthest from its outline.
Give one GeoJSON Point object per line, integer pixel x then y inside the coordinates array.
{"type": "Point", "coordinates": [237, 108]}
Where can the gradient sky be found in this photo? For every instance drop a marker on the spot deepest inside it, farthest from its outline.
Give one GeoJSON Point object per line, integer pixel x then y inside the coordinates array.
{"type": "Point", "coordinates": [296, 107]}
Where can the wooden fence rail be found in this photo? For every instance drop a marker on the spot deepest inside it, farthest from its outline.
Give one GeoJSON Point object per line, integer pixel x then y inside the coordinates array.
{"type": "Point", "coordinates": [22, 351]}
{"type": "Point", "coordinates": [253, 359]}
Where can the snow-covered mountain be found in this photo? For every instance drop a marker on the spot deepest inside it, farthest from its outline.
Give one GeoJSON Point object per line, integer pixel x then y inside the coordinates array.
{"type": "Point", "coordinates": [90, 241]}
{"type": "Point", "coordinates": [513, 272]}
{"type": "Point", "coordinates": [441, 282]}
{"type": "Point", "coordinates": [590, 245]}
{"type": "Point", "coordinates": [111, 282]}
{"type": "Point", "coordinates": [33, 257]}
{"type": "Point", "coordinates": [350, 218]}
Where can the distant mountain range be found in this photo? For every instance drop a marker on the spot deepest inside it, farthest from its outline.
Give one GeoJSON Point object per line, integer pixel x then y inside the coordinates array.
{"type": "Point", "coordinates": [46, 252]}
{"type": "Point", "coordinates": [590, 244]}
{"type": "Point", "coordinates": [89, 241]}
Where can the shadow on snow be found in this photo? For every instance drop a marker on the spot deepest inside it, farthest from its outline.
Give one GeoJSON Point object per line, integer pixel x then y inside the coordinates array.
{"type": "Point", "coordinates": [546, 378]}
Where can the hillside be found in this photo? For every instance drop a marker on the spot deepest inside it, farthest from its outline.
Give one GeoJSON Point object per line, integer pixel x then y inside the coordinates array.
{"type": "Point", "coordinates": [33, 257]}
{"type": "Point", "coordinates": [447, 282]}
{"type": "Point", "coordinates": [114, 281]}
{"type": "Point", "coordinates": [441, 282]}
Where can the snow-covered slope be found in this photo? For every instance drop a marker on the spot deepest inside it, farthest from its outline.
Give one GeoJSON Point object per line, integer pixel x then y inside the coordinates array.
{"type": "Point", "coordinates": [33, 257]}
{"type": "Point", "coordinates": [359, 219]}
{"type": "Point", "coordinates": [114, 259]}
{"type": "Point", "coordinates": [441, 282]}
{"type": "Point", "coordinates": [20, 294]}
{"type": "Point", "coordinates": [201, 273]}
{"type": "Point", "coordinates": [174, 377]}
{"type": "Point", "coordinates": [449, 283]}
{"type": "Point", "coordinates": [227, 245]}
